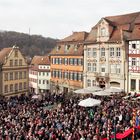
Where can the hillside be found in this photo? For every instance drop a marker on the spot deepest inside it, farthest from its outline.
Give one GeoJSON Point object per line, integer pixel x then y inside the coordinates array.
{"type": "Point", "coordinates": [30, 45]}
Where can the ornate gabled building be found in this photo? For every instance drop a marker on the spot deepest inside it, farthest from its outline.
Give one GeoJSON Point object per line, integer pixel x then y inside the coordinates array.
{"type": "Point", "coordinates": [13, 72]}
{"type": "Point", "coordinates": [134, 57]}
{"type": "Point", "coordinates": [67, 63]}
{"type": "Point", "coordinates": [39, 75]}
{"type": "Point", "coordinates": [105, 52]}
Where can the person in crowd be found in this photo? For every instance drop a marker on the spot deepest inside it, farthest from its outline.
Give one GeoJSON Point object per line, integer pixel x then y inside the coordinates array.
{"type": "Point", "coordinates": [24, 118]}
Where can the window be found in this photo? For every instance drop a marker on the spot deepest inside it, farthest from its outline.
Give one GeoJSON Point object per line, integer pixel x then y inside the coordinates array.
{"type": "Point", "coordinates": [71, 61]}
{"type": "Point", "coordinates": [111, 52]}
{"type": "Point", "coordinates": [89, 52]}
{"type": "Point", "coordinates": [11, 63]}
{"type": "Point", "coordinates": [20, 62]}
{"type": "Point", "coordinates": [112, 68]}
{"type": "Point", "coordinates": [16, 53]}
{"type": "Point", "coordinates": [47, 82]}
{"type": "Point", "coordinates": [80, 77]}
{"type": "Point", "coordinates": [80, 61]}
{"type": "Point", "coordinates": [39, 81]}
{"type": "Point", "coordinates": [75, 76]}
{"type": "Point", "coordinates": [103, 31]}
{"type": "Point", "coordinates": [94, 52]}
{"type": "Point", "coordinates": [58, 48]}
{"type": "Point", "coordinates": [16, 75]}
{"type": "Point", "coordinates": [20, 86]}
{"type": "Point", "coordinates": [11, 88]}
{"type": "Point", "coordinates": [115, 69]}
{"type": "Point", "coordinates": [65, 75]}
{"type": "Point", "coordinates": [75, 61]}
{"type": "Point", "coordinates": [20, 75]}
{"type": "Point", "coordinates": [60, 60]}
{"type": "Point", "coordinates": [25, 85]}
{"type": "Point", "coordinates": [102, 68]}
{"type": "Point", "coordinates": [16, 62]}
{"type": "Point", "coordinates": [118, 52]}
{"type": "Point", "coordinates": [94, 67]}
{"type": "Point", "coordinates": [133, 84]}
{"type": "Point", "coordinates": [16, 87]}
{"type": "Point", "coordinates": [118, 69]}
{"type": "Point", "coordinates": [43, 81]}
{"type": "Point", "coordinates": [25, 74]}
{"type": "Point", "coordinates": [11, 75]}
{"type": "Point", "coordinates": [66, 61]}
{"type": "Point", "coordinates": [71, 75]}
{"type": "Point", "coordinates": [39, 73]}
{"type": "Point", "coordinates": [43, 73]}
{"type": "Point", "coordinates": [6, 88]}
{"type": "Point", "coordinates": [93, 82]}
{"type": "Point", "coordinates": [133, 61]}
{"type": "Point", "coordinates": [89, 83]}
{"type": "Point", "coordinates": [6, 76]}
{"type": "Point", "coordinates": [133, 46]}
{"type": "Point", "coordinates": [89, 67]}
{"type": "Point", "coordinates": [102, 51]}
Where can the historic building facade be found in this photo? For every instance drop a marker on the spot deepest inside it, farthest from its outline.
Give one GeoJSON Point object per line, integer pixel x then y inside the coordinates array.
{"type": "Point", "coordinates": [13, 72]}
{"type": "Point", "coordinates": [134, 58]}
{"type": "Point", "coordinates": [67, 63]}
{"type": "Point", "coordinates": [39, 75]}
{"type": "Point", "coordinates": [105, 52]}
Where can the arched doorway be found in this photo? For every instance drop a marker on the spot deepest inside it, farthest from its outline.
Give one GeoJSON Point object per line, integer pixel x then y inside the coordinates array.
{"type": "Point", "coordinates": [114, 84]}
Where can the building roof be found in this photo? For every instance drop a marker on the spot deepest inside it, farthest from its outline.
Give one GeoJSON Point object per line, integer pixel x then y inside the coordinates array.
{"type": "Point", "coordinates": [4, 53]}
{"type": "Point", "coordinates": [76, 36]}
{"type": "Point", "coordinates": [118, 23]}
{"type": "Point", "coordinates": [135, 35]}
{"type": "Point", "coordinates": [74, 40]}
{"type": "Point", "coordinates": [40, 60]}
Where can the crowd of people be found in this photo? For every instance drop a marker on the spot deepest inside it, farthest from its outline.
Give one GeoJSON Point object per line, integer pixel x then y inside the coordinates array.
{"type": "Point", "coordinates": [24, 118]}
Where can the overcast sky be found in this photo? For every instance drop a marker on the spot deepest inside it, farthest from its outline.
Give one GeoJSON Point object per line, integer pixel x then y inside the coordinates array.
{"type": "Point", "coordinates": [59, 18]}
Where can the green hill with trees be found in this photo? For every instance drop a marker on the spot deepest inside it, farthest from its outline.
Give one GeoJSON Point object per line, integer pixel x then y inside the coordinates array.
{"type": "Point", "coordinates": [30, 45]}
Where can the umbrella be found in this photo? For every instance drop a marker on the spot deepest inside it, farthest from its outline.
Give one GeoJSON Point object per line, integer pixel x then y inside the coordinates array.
{"type": "Point", "coordinates": [82, 91]}
{"type": "Point", "coordinates": [114, 90]}
{"type": "Point", "coordinates": [102, 93]}
{"type": "Point", "coordinates": [88, 90]}
{"type": "Point", "coordinates": [89, 102]}
{"type": "Point", "coordinates": [94, 88]}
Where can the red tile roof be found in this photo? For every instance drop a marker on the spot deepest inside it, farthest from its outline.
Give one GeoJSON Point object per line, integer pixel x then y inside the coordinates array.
{"type": "Point", "coordinates": [118, 23]}
{"type": "Point", "coordinates": [76, 36]}
{"type": "Point", "coordinates": [135, 33]}
{"type": "Point", "coordinates": [75, 40]}
{"type": "Point", "coordinates": [40, 60]}
{"type": "Point", "coordinates": [4, 53]}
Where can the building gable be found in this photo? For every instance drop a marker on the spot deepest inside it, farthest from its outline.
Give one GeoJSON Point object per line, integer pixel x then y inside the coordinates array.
{"type": "Point", "coordinates": [15, 55]}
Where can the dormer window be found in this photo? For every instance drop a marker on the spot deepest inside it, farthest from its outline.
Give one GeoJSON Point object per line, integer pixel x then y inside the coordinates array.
{"type": "Point", "coordinates": [67, 47]}
{"type": "Point", "coordinates": [58, 48]}
{"type": "Point", "coordinates": [103, 31]}
{"type": "Point", "coordinates": [76, 47]}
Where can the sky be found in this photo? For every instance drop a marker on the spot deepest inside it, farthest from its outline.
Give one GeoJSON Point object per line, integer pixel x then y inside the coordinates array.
{"type": "Point", "coordinates": [59, 18]}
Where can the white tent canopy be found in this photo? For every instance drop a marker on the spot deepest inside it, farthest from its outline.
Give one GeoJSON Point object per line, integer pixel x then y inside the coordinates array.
{"type": "Point", "coordinates": [82, 91]}
{"type": "Point", "coordinates": [114, 90]}
{"type": "Point", "coordinates": [89, 102]}
{"type": "Point", "coordinates": [88, 90]}
{"type": "Point", "coordinates": [102, 93]}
